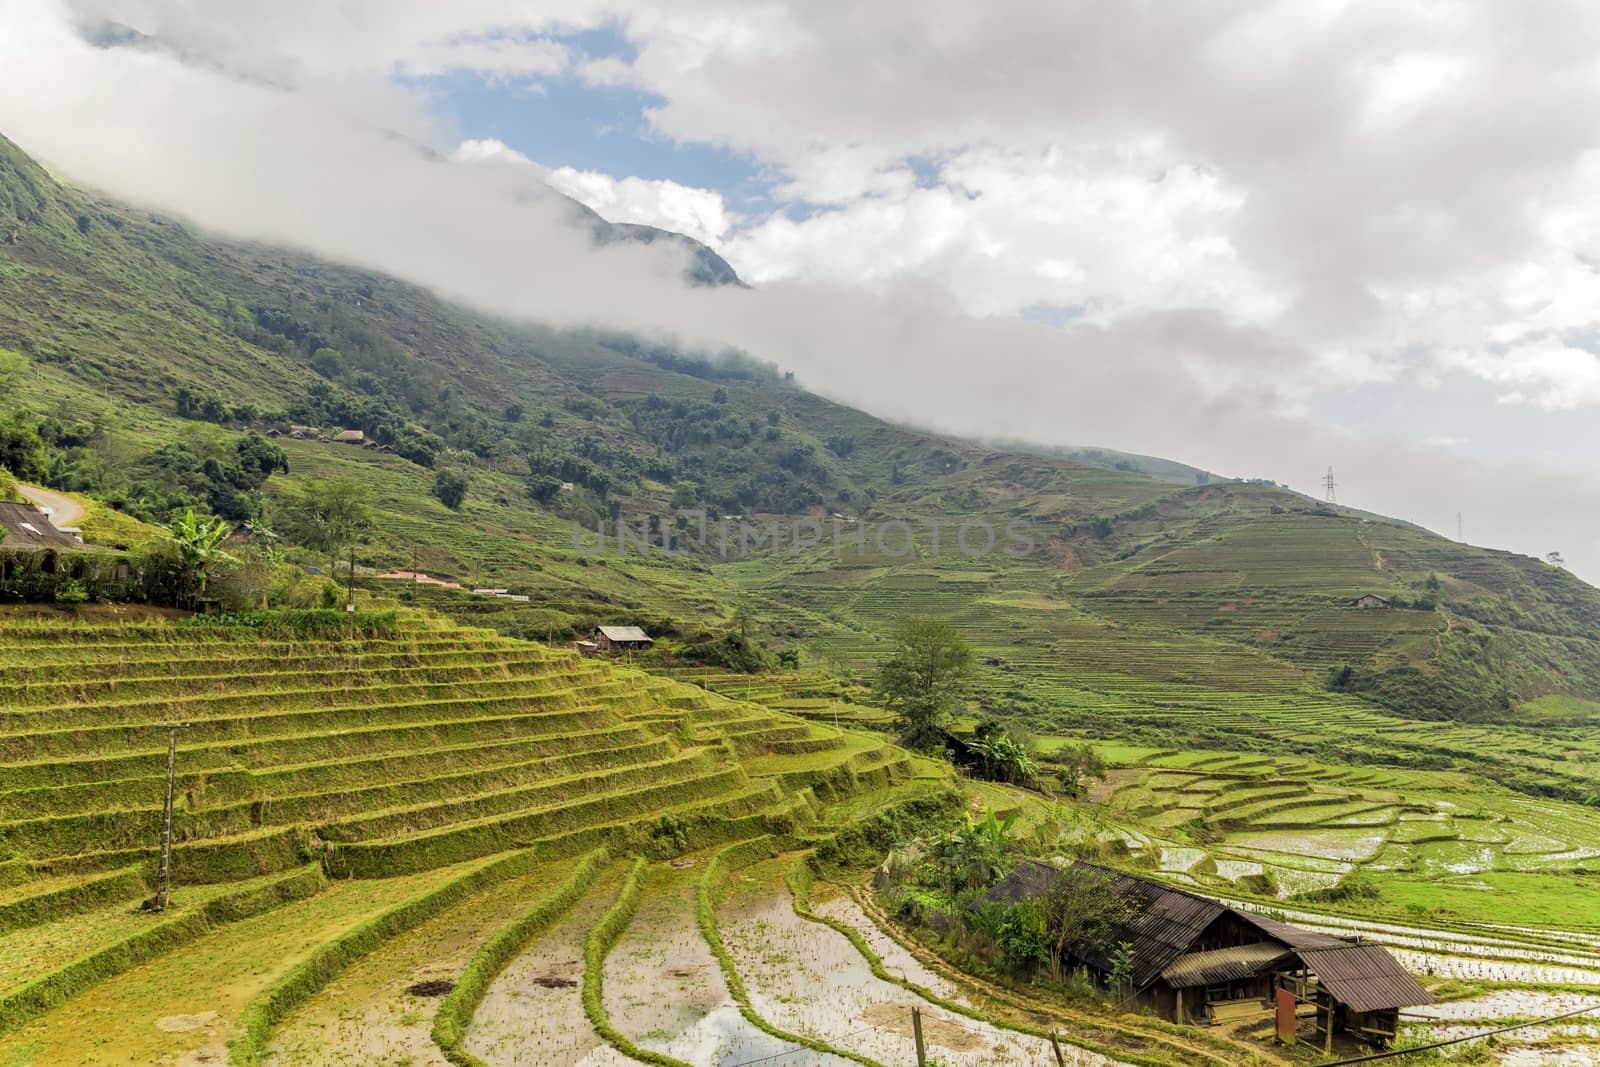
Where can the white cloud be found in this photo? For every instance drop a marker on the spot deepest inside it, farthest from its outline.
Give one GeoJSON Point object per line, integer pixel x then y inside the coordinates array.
{"type": "Point", "coordinates": [699, 213]}
{"type": "Point", "coordinates": [494, 56]}
{"type": "Point", "coordinates": [1553, 375]}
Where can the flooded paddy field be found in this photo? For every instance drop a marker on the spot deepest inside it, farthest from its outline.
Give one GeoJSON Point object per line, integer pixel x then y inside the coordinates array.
{"type": "Point", "coordinates": [380, 1011]}
{"type": "Point", "coordinates": [532, 1015]}
{"type": "Point", "coordinates": [809, 979]}
{"type": "Point", "coordinates": [664, 990]}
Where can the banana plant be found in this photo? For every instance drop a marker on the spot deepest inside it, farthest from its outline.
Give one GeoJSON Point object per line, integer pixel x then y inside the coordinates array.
{"type": "Point", "coordinates": [199, 545]}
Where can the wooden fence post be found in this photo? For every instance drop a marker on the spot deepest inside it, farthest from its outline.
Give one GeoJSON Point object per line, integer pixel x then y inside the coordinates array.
{"type": "Point", "coordinates": [916, 1033]}
{"type": "Point", "coordinates": [1055, 1044]}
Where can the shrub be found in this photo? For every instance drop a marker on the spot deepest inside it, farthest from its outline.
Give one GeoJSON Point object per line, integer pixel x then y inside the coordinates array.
{"type": "Point", "coordinates": [71, 592]}
{"type": "Point", "coordinates": [450, 488]}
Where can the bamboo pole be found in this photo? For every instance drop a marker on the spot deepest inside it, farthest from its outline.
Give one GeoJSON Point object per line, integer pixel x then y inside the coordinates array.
{"type": "Point", "coordinates": [916, 1033]}
{"type": "Point", "coordinates": [164, 870]}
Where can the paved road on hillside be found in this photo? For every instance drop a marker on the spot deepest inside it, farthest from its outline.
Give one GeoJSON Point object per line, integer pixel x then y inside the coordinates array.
{"type": "Point", "coordinates": [64, 511]}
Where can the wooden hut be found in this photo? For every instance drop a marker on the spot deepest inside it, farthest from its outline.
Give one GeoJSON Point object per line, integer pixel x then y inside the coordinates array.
{"type": "Point", "coordinates": [621, 639]}
{"type": "Point", "coordinates": [1195, 959]}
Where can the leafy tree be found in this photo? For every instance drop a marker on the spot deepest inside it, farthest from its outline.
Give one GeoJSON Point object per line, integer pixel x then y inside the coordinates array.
{"type": "Point", "coordinates": [543, 488]}
{"type": "Point", "coordinates": [328, 362]}
{"type": "Point", "coordinates": [685, 495]}
{"type": "Point", "coordinates": [513, 413]}
{"type": "Point", "coordinates": [1083, 911]}
{"type": "Point", "coordinates": [22, 451]}
{"type": "Point", "coordinates": [1080, 765]}
{"type": "Point", "coordinates": [1024, 934]}
{"type": "Point", "coordinates": [199, 544]}
{"type": "Point", "coordinates": [328, 516]}
{"type": "Point", "coordinates": [451, 489]}
{"type": "Point", "coordinates": [259, 457]}
{"type": "Point", "coordinates": [924, 678]}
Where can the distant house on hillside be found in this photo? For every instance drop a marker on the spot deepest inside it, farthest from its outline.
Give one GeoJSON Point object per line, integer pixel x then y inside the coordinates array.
{"type": "Point", "coordinates": [1372, 600]}
{"type": "Point", "coordinates": [1196, 959]}
{"type": "Point", "coordinates": [417, 578]}
{"type": "Point", "coordinates": [27, 527]}
{"type": "Point", "coordinates": [621, 639]}
{"type": "Point", "coordinates": [350, 437]}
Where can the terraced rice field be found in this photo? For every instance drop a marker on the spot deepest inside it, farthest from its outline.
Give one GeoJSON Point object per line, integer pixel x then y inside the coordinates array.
{"type": "Point", "coordinates": [357, 819]}
{"type": "Point", "coordinates": [1280, 826]}
{"type": "Point", "coordinates": [342, 794]}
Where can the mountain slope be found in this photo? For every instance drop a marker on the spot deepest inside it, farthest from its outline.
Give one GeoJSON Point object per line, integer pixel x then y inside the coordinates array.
{"type": "Point", "coordinates": [125, 317]}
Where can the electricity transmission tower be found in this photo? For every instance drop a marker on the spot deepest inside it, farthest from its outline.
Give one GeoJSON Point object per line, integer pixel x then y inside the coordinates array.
{"type": "Point", "coordinates": [1329, 484]}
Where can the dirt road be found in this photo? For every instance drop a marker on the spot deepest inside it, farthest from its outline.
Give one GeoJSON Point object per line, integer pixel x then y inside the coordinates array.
{"type": "Point", "coordinates": [64, 511]}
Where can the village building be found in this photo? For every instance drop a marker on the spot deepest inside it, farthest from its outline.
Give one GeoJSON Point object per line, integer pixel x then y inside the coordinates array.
{"type": "Point", "coordinates": [1197, 960]}
{"type": "Point", "coordinates": [350, 437]}
{"type": "Point", "coordinates": [27, 527]}
{"type": "Point", "coordinates": [621, 639]}
{"type": "Point", "coordinates": [1372, 600]}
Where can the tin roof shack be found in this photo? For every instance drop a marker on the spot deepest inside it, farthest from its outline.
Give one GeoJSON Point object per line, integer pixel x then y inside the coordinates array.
{"type": "Point", "coordinates": [1372, 600]}
{"type": "Point", "coordinates": [621, 639]}
{"type": "Point", "coordinates": [1196, 959]}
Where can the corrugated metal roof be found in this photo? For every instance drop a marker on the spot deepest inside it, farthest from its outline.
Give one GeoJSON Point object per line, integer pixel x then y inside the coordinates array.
{"type": "Point", "coordinates": [623, 633]}
{"type": "Point", "coordinates": [26, 527]}
{"type": "Point", "coordinates": [1365, 977]}
{"type": "Point", "coordinates": [1223, 964]}
{"type": "Point", "coordinates": [1293, 936]}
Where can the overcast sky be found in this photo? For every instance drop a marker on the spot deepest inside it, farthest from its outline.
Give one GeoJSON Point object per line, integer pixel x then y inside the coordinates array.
{"type": "Point", "coordinates": [1262, 238]}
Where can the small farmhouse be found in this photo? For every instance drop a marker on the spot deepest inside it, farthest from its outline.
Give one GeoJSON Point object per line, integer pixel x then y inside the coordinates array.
{"type": "Point", "coordinates": [349, 437]}
{"type": "Point", "coordinates": [1198, 960]}
{"type": "Point", "coordinates": [1372, 600]}
{"type": "Point", "coordinates": [621, 639]}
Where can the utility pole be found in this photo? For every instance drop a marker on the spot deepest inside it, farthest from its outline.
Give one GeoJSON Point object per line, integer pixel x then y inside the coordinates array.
{"type": "Point", "coordinates": [164, 871]}
{"type": "Point", "coordinates": [916, 1033]}
{"type": "Point", "coordinates": [1458, 528]}
{"type": "Point", "coordinates": [1329, 484]}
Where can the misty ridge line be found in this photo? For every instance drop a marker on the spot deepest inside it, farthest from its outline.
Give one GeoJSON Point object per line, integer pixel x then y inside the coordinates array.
{"type": "Point", "coordinates": [743, 539]}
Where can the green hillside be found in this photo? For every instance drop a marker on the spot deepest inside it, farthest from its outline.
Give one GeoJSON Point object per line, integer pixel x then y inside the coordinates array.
{"type": "Point", "coordinates": [119, 320]}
